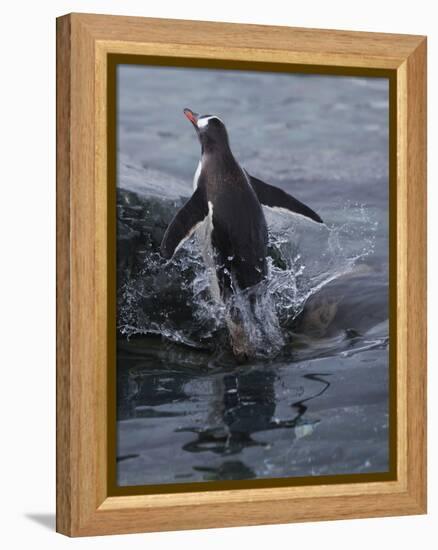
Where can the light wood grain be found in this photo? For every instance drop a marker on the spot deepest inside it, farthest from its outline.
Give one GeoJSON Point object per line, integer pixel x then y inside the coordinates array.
{"type": "Point", "coordinates": [321, 44]}
{"type": "Point", "coordinates": [63, 403]}
{"type": "Point", "coordinates": [402, 274]}
{"type": "Point", "coordinates": [83, 504]}
{"type": "Point", "coordinates": [416, 223]}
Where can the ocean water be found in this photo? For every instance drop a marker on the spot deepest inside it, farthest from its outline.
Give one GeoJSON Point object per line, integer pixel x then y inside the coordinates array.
{"type": "Point", "coordinates": [314, 400]}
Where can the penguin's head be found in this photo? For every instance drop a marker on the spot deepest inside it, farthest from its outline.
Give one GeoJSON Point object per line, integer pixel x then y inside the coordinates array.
{"type": "Point", "coordinates": [211, 131]}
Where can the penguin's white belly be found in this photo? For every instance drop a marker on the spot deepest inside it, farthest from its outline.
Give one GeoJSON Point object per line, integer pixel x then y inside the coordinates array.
{"type": "Point", "coordinates": [196, 176]}
{"type": "Point", "coordinates": [204, 236]}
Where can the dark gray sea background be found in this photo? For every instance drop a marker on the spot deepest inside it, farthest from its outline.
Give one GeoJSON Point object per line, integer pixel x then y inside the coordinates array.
{"type": "Point", "coordinates": [315, 400]}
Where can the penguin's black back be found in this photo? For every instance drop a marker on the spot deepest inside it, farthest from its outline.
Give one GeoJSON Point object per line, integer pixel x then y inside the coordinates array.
{"type": "Point", "coordinates": [239, 234]}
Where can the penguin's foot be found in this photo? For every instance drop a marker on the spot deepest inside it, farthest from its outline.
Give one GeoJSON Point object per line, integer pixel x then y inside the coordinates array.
{"type": "Point", "coordinates": [242, 348]}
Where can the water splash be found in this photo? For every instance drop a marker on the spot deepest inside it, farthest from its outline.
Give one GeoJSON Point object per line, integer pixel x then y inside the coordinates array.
{"type": "Point", "coordinates": [173, 298]}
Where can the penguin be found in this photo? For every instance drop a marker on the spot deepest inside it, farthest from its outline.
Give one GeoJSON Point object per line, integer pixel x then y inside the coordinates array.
{"type": "Point", "coordinates": [227, 201]}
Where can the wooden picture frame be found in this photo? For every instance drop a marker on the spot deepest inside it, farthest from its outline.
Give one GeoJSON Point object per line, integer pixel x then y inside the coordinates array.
{"type": "Point", "coordinates": [84, 503]}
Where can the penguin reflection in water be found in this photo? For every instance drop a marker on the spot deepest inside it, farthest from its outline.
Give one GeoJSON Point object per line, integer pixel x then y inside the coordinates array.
{"type": "Point", "coordinates": [227, 201]}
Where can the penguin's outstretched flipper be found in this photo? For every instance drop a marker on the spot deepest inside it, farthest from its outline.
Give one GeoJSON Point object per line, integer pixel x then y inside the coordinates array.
{"type": "Point", "coordinates": [184, 223]}
{"type": "Point", "coordinates": [274, 197]}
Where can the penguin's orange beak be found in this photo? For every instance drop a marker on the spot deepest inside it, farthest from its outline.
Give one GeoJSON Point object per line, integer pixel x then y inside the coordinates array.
{"type": "Point", "coordinates": [193, 117]}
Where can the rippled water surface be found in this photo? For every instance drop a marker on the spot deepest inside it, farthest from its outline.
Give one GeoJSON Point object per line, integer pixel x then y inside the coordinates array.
{"type": "Point", "coordinates": [314, 401]}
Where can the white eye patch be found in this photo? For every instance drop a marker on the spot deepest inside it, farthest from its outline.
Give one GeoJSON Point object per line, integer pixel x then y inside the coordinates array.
{"type": "Point", "coordinates": [203, 121]}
